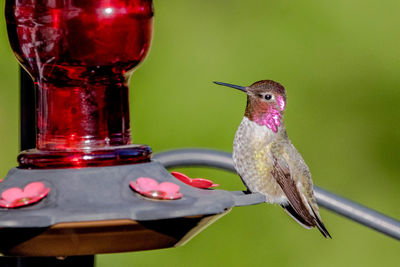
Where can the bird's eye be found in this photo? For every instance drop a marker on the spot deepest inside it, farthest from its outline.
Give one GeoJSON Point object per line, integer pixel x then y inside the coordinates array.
{"type": "Point", "coordinates": [268, 97]}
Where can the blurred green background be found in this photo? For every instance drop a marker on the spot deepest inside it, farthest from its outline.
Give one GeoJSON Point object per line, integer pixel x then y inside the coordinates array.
{"type": "Point", "coordinates": [339, 61]}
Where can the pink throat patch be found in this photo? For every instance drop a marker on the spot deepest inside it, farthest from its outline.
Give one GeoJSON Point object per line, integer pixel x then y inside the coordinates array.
{"type": "Point", "coordinates": [271, 119]}
{"type": "Point", "coordinates": [281, 102]}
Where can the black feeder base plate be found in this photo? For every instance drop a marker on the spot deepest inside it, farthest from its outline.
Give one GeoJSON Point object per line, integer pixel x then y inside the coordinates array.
{"type": "Point", "coordinates": [93, 210]}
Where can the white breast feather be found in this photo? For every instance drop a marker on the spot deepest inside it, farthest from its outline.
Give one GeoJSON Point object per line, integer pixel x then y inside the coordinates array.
{"type": "Point", "coordinates": [253, 162]}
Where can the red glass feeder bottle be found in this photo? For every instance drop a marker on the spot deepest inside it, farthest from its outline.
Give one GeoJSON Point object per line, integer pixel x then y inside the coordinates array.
{"type": "Point", "coordinates": [81, 55]}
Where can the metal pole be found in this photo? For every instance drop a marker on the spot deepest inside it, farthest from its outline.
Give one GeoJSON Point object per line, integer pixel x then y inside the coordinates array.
{"type": "Point", "coordinates": [28, 111]}
{"type": "Point", "coordinates": [345, 207]}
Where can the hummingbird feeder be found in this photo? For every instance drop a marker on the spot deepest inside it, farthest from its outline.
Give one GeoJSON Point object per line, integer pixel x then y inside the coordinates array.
{"type": "Point", "coordinates": [84, 188]}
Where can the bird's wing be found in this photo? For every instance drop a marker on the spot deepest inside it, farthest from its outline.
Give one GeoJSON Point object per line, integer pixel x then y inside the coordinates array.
{"type": "Point", "coordinates": [298, 208]}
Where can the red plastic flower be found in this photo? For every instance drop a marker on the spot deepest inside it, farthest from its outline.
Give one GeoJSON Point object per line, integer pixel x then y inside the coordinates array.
{"type": "Point", "coordinates": [195, 182]}
{"type": "Point", "coordinates": [150, 188]}
{"type": "Point", "coordinates": [16, 197]}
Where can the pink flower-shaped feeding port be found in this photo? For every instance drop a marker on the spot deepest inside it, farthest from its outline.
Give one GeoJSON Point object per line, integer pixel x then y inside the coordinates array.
{"type": "Point", "coordinates": [195, 182]}
{"type": "Point", "coordinates": [150, 188]}
{"type": "Point", "coordinates": [16, 197]}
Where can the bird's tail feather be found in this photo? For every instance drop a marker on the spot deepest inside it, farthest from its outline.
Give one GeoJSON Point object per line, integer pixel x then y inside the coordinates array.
{"type": "Point", "coordinates": [320, 225]}
{"type": "Point", "coordinates": [292, 213]}
{"type": "Point", "coordinates": [317, 222]}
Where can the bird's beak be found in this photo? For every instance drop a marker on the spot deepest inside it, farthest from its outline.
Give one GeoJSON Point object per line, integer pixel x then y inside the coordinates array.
{"type": "Point", "coordinates": [241, 88]}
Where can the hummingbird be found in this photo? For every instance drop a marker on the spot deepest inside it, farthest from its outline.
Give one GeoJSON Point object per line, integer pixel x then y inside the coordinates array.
{"type": "Point", "coordinates": [267, 161]}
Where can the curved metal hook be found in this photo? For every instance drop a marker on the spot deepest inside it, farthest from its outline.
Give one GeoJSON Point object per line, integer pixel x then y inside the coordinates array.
{"type": "Point", "coordinates": [345, 207]}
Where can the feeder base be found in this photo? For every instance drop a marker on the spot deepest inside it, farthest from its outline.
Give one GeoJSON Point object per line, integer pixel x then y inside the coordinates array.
{"type": "Point", "coordinates": [96, 237]}
{"type": "Point", "coordinates": [94, 210]}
